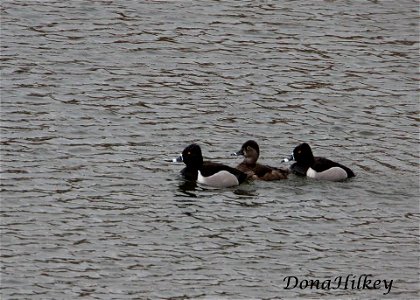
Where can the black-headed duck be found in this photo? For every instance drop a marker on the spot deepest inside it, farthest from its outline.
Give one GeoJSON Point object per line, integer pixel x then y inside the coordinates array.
{"type": "Point", "coordinates": [206, 172]}
{"type": "Point", "coordinates": [316, 167]}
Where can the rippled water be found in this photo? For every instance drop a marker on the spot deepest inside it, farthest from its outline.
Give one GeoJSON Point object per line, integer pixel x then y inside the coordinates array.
{"type": "Point", "coordinates": [96, 94]}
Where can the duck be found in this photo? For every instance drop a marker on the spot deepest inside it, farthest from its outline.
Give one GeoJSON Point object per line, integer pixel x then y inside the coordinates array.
{"type": "Point", "coordinates": [206, 172]}
{"type": "Point", "coordinates": [251, 151]}
{"type": "Point", "coordinates": [316, 167]}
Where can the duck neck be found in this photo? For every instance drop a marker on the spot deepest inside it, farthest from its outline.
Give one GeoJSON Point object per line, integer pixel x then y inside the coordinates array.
{"type": "Point", "coordinates": [250, 160]}
{"type": "Point", "coordinates": [196, 166]}
{"type": "Point", "coordinates": [308, 161]}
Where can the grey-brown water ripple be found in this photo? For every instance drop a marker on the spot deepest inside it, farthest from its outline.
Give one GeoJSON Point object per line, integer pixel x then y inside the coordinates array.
{"type": "Point", "coordinates": [96, 95]}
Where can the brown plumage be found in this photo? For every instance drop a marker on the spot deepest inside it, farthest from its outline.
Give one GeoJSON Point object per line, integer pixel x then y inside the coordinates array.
{"type": "Point", "coordinates": [251, 151]}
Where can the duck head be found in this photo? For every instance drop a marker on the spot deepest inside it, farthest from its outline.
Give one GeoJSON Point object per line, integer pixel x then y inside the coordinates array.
{"type": "Point", "coordinates": [250, 150]}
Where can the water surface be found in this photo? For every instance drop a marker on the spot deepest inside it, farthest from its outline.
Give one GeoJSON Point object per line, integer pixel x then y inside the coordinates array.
{"type": "Point", "coordinates": [96, 94]}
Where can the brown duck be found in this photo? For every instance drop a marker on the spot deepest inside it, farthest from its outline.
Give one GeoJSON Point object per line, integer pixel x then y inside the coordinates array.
{"type": "Point", "coordinates": [251, 151]}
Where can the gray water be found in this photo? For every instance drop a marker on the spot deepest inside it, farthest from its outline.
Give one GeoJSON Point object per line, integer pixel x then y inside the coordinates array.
{"type": "Point", "coordinates": [95, 95]}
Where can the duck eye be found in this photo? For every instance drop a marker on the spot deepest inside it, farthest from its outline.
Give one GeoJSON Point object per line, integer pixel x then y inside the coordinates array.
{"type": "Point", "coordinates": [188, 153]}
{"type": "Point", "coordinates": [300, 151]}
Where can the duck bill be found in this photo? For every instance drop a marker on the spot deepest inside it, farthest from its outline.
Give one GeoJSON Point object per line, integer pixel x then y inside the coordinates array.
{"type": "Point", "coordinates": [178, 159]}
{"type": "Point", "coordinates": [175, 160]}
{"type": "Point", "coordinates": [287, 159]}
{"type": "Point", "coordinates": [240, 152]}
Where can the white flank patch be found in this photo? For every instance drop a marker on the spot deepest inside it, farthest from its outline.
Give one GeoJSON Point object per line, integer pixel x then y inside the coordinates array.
{"type": "Point", "coordinates": [311, 173]}
{"type": "Point", "coordinates": [220, 179]}
{"type": "Point", "coordinates": [332, 174]}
